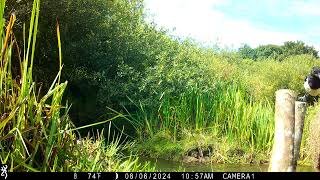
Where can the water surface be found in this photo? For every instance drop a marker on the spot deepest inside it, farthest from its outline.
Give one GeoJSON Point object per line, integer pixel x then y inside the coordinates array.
{"type": "Point", "coordinates": [169, 166]}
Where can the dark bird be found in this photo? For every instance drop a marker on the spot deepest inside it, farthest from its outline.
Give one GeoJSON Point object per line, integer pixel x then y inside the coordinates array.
{"type": "Point", "coordinates": [312, 86]}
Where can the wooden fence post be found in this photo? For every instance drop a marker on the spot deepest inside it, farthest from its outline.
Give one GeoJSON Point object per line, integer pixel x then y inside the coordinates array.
{"type": "Point", "coordinates": [300, 112]}
{"type": "Point", "coordinates": [314, 141]}
{"type": "Point", "coordinates": [282, 158]}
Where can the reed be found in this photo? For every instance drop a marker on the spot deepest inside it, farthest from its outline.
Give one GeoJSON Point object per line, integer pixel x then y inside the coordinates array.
{"type": "Point", "coordinates": [36, 133]}
{"type": "Point", "coordinates": [32, 127]}
{"type": "Point", "coordinates": [227, 111]}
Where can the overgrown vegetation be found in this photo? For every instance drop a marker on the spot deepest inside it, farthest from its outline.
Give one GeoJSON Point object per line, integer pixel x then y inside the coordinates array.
{"type": "Point", "coordinates": [36, 132]}
{"type": "Point", "coordinates": [226, 113]}
{"type": "Point", "coordinates": [179, 97]}
{"type": "Point", "coordinates": [310, 144]}
{"type": "Point", "coordinates": [236, 112]}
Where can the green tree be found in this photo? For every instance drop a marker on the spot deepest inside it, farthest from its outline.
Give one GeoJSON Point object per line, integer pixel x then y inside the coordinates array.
{"type": "Point", "coordinates": [269, 51]}
{"type": "Point", "coordinates": [289, 48]}
{"type": "Point", "coordinates": [106, 48]}
{"type": "Point", "coordinates": [246, 52]}
{"type": "Point", "coordinates": [297, 48]}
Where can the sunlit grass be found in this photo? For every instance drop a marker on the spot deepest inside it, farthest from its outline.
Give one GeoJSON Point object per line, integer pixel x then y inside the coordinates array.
{"type": "Point", "coordinates": [237, 105]}
{"type": "Point", "coordinates": [226, 113]}
{"type": "Point", "coordinates": [31, 128]}
{"type": "Point", "coordinates": [95, 154]}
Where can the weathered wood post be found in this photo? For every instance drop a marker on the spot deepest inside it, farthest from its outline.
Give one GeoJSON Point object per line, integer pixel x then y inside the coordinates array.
{"type": "Point", "coordinates": [300, 112]}
{"type": "Point", "coordinates": [282, 157]}
{"type": "Point", "coordinates": [314, 141]}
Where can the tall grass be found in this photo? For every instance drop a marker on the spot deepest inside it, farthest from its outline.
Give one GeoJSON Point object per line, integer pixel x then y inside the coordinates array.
{"type": "Point", "coordinates": [237, 109]}
{"type": "Point", "coordinates": [94, 154]}
{"type": "Point", "coordinates": [227, 111]}
{"type": "Point", "coordinates": [32, 128]}
{"type": "Point", "coordinates": [310, 144]}
{"type": "Point", "coordinates": [36, 133]}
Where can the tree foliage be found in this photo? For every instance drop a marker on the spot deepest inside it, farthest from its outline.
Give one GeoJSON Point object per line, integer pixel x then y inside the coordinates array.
{"type": "Point", "coordinates": [289, 48]}
{"type": "Point", "coordinates": [297, 48]}
{"type": "Point", "coordinates": [106, 46]}
{"type": "Point", "coordinates": [246, 52]}
{"type": "Point", "coordinates": [269, 51]}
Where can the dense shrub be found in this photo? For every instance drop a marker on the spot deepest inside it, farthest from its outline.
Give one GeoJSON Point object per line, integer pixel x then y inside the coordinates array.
{"type": "Point", "coordinates": [263, 78]}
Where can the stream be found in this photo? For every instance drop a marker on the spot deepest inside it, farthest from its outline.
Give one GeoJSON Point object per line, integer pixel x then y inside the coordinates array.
{"type": "Point", "coordinates": [169, 166]}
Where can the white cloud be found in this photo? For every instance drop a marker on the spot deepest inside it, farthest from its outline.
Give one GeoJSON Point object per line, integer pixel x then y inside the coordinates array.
{"type": "Point", "coordinates": [199, 19]}
{"type": "Point", "coordinates": [309, 8]}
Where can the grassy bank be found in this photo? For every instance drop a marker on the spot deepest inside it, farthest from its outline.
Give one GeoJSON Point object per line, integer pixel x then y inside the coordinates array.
{"type": "Point", "coordinates": [224, 121]}
{"type": "Point", "coordinates": [234, 119]}
{"type": "Point", "coordinates": [238, 131]}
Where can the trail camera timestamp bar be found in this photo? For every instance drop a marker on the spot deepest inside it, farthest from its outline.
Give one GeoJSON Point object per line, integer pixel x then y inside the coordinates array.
{"type": "Point", "coordinates": [5, 174]}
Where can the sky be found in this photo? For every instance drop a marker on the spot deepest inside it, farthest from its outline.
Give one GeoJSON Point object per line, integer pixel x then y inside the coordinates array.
{"type": "Point", "coordinates": [232, 23]}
